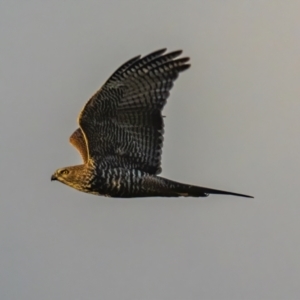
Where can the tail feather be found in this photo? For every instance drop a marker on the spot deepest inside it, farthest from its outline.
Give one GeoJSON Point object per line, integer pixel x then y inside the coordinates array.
{"type": "Point", "coordinates": [156, 186]}
{"type": "Point", "coordinates": [199, 191]}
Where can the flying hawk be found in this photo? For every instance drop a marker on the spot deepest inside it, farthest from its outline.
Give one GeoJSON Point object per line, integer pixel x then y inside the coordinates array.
{"type": "Point", "coordinates": [120, 134]}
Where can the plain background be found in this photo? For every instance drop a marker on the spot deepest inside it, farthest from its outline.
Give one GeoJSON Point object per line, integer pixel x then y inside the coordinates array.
{"type": "Point", "coordinates": [233, 123]}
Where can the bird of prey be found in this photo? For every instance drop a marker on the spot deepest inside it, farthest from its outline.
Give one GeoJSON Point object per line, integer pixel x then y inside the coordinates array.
{"type": "Point", "coordinates": [120, 134]}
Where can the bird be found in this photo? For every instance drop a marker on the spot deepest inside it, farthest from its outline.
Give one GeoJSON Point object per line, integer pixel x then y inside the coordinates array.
{"type": "Point", "coordinates": [120, 134]}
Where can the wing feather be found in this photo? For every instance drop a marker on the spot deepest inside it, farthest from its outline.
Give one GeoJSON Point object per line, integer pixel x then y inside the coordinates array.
{"type": "Point", "coordinates": [78, 141]}
{"type": "Point", "coordinates": [122, 122]}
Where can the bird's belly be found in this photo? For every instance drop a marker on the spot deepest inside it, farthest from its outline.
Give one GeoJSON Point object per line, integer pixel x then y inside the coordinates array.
{"type": "Point", "coordinates": [118, 182]}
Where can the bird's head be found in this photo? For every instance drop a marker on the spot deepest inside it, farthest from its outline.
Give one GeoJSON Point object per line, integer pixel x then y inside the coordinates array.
{"type": "Point", "coordinates": [74, 176]}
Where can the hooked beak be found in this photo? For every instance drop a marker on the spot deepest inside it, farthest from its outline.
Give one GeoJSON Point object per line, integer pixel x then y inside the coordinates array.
{"type": "Point", "coordinates": [53, 177]}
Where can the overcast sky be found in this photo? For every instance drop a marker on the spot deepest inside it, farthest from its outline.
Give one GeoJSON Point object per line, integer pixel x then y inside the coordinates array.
{"type": "Point", "coordinates": [232, 122]}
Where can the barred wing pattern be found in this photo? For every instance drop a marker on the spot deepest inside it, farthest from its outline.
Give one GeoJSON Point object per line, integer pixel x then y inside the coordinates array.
{"type": "Point", "coordinates": [122, 122]}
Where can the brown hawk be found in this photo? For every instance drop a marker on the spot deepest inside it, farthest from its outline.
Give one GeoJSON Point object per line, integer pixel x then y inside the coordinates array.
{"type": "Point", "coordinates": [120, 134]}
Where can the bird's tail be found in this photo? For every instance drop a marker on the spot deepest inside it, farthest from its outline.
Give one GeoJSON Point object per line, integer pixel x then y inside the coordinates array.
{"type": "Point", "coordinates": [186, 190]}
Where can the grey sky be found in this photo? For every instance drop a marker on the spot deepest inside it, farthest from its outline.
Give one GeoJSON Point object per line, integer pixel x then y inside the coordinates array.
{"type": "Point", "coordinates": [232, 123]}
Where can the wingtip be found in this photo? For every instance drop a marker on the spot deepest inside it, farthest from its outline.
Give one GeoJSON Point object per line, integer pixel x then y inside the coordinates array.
{"type": "Point", "coordinates": [157, 52]}
{"type": "Point", "coordinates": [176, 53]}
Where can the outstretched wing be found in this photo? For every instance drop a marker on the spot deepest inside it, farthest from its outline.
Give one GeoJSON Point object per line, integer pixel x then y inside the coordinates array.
{"type": "Point", "coordinates": [78, 141]}
{"type": "Point", "coordinates": [122, 122]}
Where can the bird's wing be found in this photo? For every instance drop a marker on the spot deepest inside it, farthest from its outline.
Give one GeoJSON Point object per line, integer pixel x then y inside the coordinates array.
{"type": "Point", "coordinates": [122, 122]}
{"type": "Point", "coordinates": [78, 141]}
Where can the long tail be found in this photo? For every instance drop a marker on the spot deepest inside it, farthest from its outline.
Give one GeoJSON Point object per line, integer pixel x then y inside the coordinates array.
{"type": "Point", "coordinates": [178, 189]}
{"type": "Point", "coordinates": [199, 191]}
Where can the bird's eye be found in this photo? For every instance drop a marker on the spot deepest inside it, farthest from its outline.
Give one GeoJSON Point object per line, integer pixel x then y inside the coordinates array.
{"type": "Point", "coordinates": [64, 172]}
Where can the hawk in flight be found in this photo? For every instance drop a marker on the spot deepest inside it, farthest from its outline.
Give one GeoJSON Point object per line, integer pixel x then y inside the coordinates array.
{"type": "Point", "coordinates": [120, 134]}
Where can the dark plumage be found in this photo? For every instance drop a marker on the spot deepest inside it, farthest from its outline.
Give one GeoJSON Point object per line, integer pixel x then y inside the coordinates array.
{"type": "Point", "coordinates": [121, 133]}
